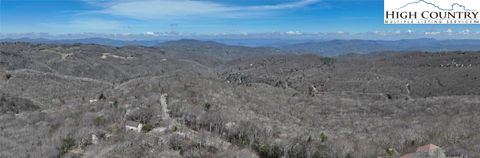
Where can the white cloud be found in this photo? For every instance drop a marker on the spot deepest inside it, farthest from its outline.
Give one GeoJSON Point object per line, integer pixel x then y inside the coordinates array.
{"type": "Point", "coordinates": [161, 9]}
{"type": "Point", "coordinates": [465, 32]}
{"type": "Point", "coordinates": [299, 4]}
{"type": "Point", "coordinates": [432, 33]}
{"type": "Point", "coordinates": [294, 33]}
{"type": "Point", "coordinates": [449, 31]}
{"type": "Point", "coordinates": [151, 33]}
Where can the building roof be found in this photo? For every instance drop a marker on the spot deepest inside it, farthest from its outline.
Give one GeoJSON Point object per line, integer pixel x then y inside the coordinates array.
{"type": "Point", "coordinates": [132, 123]}
{"type": "Point", "coordinates": [427, 148]}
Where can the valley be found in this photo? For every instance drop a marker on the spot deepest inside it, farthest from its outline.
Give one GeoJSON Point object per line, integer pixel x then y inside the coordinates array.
{"type": "Point", "coordinates": [206, 99]}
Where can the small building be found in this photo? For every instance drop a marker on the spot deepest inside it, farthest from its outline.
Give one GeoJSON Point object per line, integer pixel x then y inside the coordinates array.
{"type": "Point", "coordinates": [94, 139]}
{"type": "Point", "coordinates": [429, 150]}
{"type": "Point", "coordinates": [133, 126]}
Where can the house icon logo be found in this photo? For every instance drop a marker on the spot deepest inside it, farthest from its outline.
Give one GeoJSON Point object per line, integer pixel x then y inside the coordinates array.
{"type": "Point", "coordinates": [431, 11]}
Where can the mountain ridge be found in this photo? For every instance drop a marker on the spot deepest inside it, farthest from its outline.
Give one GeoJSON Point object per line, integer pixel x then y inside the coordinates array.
{"type": "Point", "coordinates": [322, 47]}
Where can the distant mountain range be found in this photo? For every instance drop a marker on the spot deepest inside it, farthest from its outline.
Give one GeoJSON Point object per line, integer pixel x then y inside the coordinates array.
{"type": "Point", "coordinates": [112, 42]}
{"type": "Point", "coordinates": [101, 41]}
{"type": "Point", "coordinates": [326, 48]}
{"type": "Point", "coordinates": [339, 47]}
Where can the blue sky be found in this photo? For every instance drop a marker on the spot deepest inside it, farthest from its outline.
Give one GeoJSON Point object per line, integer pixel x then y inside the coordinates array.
{"type": "Point", "coordinates": [158, 17]}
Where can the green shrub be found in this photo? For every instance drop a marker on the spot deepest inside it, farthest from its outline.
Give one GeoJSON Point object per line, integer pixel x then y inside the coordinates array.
{"type": "Point", "coordinates": [99, 121]}
{"type": "Point", "coordinates": [147, 127]}
{"type": "Point", "coordinates": [177, 142]}
{"type": "Point", "coordinates": [207, 106]}
{"type": "Point", "coordinates": [328, 60]}
{"type": "Point", "coordinates": [115, 103]}
{"type": "Point", "coordinates": [43, 47]}
{"type": "Point", "coordinates": [239, 139]}
{"type": "Point", "coordinates": [391, 151]}
{"type": "Point", "coordinates": [67, 144]}
{"type": "Point", "coordinates": [102, 97]}
{"type": "Point", "coordinates": [175, 129]}
{"type": "Point", "coordinates": [298, 151]}
{"type": "Point", "coordinates": [8, 76]}
{"type": "Point", "coordinates": [323, 137]}
{"type": "Point", "coordinates": [268, 151]}
{"type": "Point", "coordinates": [413, 143]}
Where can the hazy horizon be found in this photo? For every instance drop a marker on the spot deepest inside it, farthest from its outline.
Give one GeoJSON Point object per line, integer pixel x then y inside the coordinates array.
{"type": "Point", "coordinates": [210, 19]}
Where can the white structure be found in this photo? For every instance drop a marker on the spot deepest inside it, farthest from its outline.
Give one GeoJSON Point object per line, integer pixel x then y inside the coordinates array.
{"type": "Point", "coordinates": [314, 89]}
{"type": "Point", "coordinates": [133, 126]}
{"type": "Point", "coordinates": [408, 88]}
{"type": "Point", "coordinates": [230, 125]}
{"type": "Point", "coordinates": [159, 130]}
{"type": "Point", "coordinates": [94, 139]}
